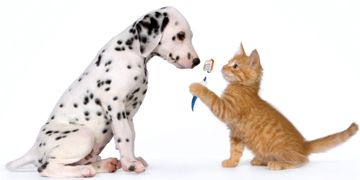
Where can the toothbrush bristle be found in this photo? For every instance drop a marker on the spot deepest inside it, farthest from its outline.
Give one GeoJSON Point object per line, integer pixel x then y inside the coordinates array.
{"type": "Point", "coordinates": [208, 65]}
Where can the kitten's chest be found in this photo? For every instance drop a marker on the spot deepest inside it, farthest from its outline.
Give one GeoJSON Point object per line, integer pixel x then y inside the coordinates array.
{"type": "Point", "coordinates": [244, 130]}
{"type": "Point", "coordinates": [237, 130]}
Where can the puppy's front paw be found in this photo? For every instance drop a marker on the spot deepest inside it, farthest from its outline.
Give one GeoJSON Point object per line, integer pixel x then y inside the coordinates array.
{"type": "Point", "coordinates": [196, 88]}
{"type": "Point", "coordinates": [133, 166]}
{"type": "Point", "coordinates": [109, 165]}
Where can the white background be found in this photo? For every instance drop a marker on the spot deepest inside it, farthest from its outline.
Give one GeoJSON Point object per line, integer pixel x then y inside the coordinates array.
{"type": "Point", "coordinates": [309, 51]}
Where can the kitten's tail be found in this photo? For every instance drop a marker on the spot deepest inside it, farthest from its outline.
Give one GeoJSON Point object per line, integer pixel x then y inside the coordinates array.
{"type": "Point", "coordinates": [330, 141]}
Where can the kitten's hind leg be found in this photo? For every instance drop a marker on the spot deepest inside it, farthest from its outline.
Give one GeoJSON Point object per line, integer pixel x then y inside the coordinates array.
{"type": "Point", "coordinates": [256, 161]}
{"type": "Point", "coordinates": [236, 150]}
{"type": "Point", "coordinates": [287, 160]}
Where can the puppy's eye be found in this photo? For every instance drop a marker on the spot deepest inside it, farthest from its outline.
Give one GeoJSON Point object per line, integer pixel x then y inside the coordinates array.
{"type": "Point", "coordinates": [235, 66]}
{"type": "Point", "coordinates": [181, 35]}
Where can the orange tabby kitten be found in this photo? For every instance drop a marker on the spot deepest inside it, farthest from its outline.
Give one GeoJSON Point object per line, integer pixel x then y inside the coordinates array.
{"type": "Point", "coordinates": [257, 125]}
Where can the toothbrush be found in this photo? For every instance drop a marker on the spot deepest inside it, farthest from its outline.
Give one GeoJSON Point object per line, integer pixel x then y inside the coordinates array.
{"type": "Point", "coordinates": [208, 67]}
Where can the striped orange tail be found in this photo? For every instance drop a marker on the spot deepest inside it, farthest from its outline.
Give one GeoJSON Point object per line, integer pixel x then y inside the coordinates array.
{"type": "Point", "coordinates": [330, 141]}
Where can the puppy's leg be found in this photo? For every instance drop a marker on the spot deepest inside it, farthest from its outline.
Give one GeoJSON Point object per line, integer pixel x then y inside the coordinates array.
{"type": "Point", "coordinates": [62, 152]}
{"type": "Point", "coordinates": [124, 137]}
{"type": "Point", "coordinates": [131, 122]}
{"type": "Point", "coordinates": [62, 170]}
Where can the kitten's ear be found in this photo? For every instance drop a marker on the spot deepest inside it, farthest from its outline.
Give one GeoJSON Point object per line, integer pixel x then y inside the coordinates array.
{"type": "Point", "coordinates": [241, 51]}
{"type": "Point", "coordinates": [254, 59]}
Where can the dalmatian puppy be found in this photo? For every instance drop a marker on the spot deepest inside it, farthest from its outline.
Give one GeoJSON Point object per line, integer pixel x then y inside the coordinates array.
{"type": "Point", "coordinates": [102, 102]}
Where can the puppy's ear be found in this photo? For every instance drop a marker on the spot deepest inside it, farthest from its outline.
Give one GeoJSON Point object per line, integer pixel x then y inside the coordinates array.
{"type": "Point", "coordinates": [149, 30]}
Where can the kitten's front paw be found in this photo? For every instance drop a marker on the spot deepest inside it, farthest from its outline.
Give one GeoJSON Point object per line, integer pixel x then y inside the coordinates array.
{"type": "Point", "coordinates": [229, 163]}
{"type": "Point", "coordinates": [195, 88]}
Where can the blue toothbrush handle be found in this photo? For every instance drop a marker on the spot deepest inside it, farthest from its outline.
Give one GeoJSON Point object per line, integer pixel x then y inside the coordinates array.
{"type": "Point", "coordinates": [193, 102]}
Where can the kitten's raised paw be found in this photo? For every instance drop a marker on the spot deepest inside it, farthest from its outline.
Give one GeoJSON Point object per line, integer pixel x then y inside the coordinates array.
{"type": "Point", "coordinates": [229, 163]}
{"type": "Point", "coordinates": [195, 88]}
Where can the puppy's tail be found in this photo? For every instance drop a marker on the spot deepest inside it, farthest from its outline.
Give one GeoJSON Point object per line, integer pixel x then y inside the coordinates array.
{"type": "Point", "coordinates": [330, 141]}
{"type": "Point", "coordinates": [28, 158]}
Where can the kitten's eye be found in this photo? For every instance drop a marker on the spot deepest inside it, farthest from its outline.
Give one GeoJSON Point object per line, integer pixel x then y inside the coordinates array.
{"type": "Point", "coordinates": [235, 66]}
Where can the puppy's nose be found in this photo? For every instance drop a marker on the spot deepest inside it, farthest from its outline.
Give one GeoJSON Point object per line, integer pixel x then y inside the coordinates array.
{"type": "Point", "coordinates": [196, 61]}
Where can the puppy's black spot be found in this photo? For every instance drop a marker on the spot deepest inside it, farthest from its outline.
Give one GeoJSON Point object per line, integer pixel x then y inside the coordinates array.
{"type": "Point", "coordinates": [157, 14]}
{"type": "Point", "coordinates": [97, 102]}
{"type": "Point", "coordinates": [86, 100]}
{"type": "Point", "coordinates": [42, 167]}
{"type": "Point", "coordinates": [164, 23]}
{"type": "Point", "coordinates": [60, 137]}
{"type": "Point", "coordinates": [108, 63]}
{"type": "Point", "coordinates": [98, 60]}
{"type": "Point", "coordinates": [143, 39]}
{"type": "Point", "coordinates": [136, 90]}
{"type": "Point", "coordinates": [135, 104]}
{"type": "Point", "coordinates": [151, 27]}
{"type": "Point", "coordinates": [129, 41]}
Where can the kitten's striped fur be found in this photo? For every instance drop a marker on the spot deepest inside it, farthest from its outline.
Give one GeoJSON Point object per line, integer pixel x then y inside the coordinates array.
{"type": "Point", "coordinates": [255, 124]}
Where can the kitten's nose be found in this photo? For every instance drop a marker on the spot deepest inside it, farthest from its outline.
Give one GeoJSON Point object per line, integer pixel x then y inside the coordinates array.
{"type": "Point", "coordinates": [195, 61]}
